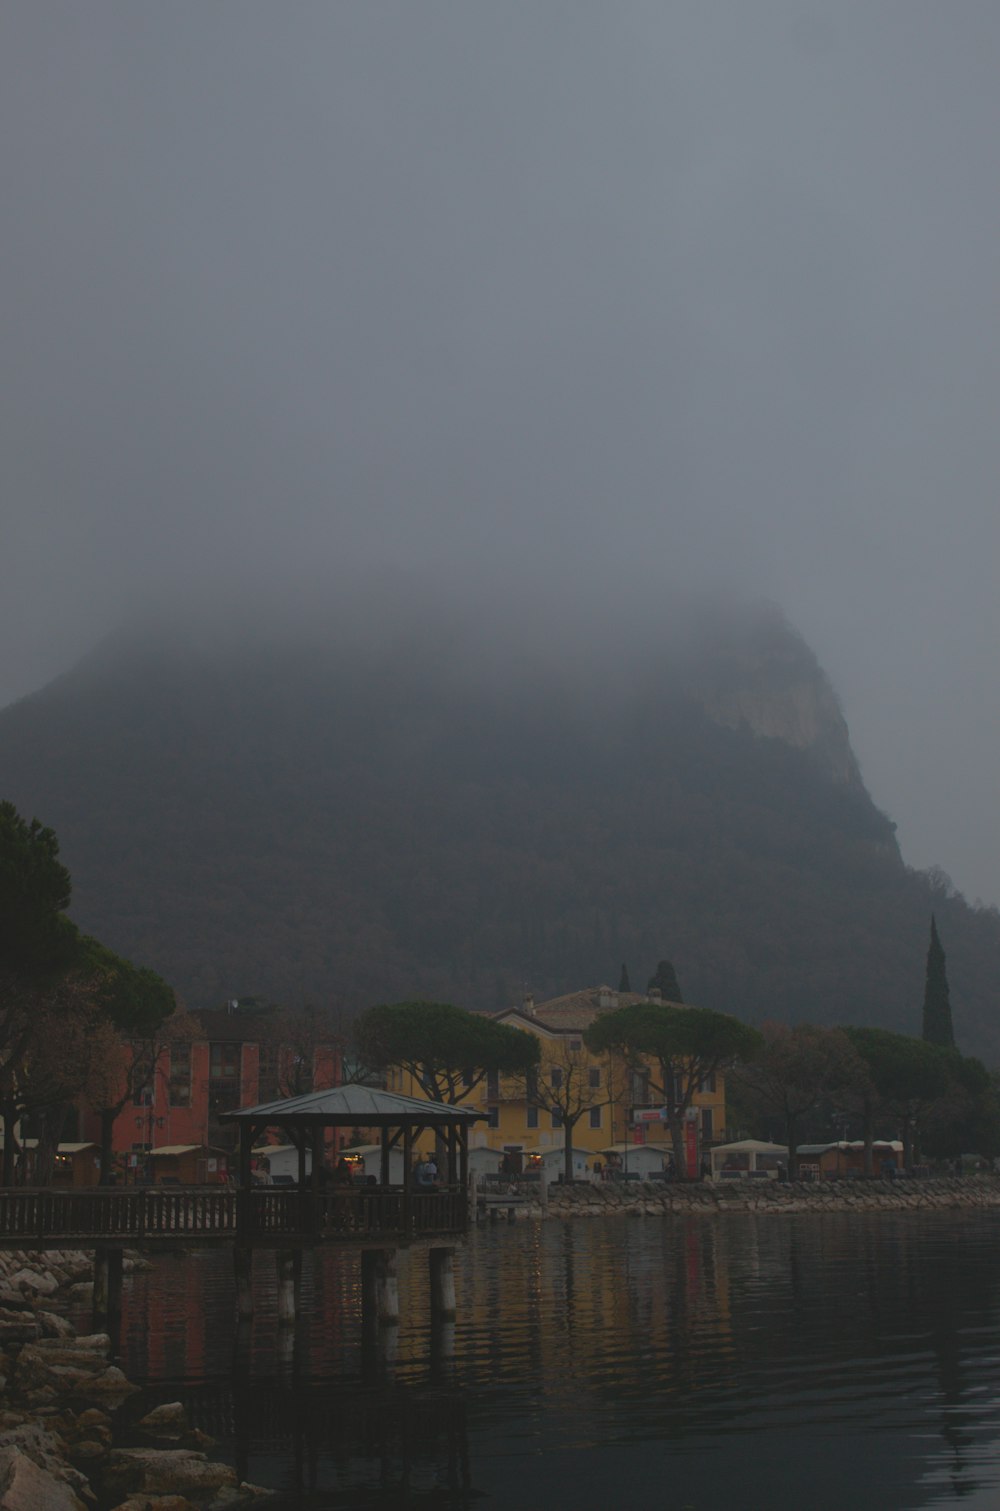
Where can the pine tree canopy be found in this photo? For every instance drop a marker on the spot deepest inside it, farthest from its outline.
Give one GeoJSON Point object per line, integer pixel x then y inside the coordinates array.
{"type": "Point", "coordinates": [665, 981]}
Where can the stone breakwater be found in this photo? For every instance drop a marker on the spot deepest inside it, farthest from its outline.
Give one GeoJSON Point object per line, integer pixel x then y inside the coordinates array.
{"type": "Point", "coordinates": [711, 1198]}
{"type": "Point", "coordinates": [61, 1401]}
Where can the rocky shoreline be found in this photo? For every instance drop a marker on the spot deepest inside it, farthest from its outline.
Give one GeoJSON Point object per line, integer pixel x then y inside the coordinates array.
{"type": "Point", "coordinates": [714, 1198]}
{"type": "Point", "coordinates": [60, 1404]}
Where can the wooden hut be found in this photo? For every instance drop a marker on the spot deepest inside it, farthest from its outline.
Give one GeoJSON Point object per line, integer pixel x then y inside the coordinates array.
{"type": "Point", "coordinates": [188, 1165]}
{"type": "Point", "coordinates": [77, 1165]}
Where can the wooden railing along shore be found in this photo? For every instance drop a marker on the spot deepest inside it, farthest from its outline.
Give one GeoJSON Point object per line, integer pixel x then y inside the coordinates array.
{"type": "Point", "coordinates": [45, 1218]}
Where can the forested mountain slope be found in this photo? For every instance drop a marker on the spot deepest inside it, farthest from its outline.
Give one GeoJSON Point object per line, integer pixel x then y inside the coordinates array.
{"type": "Point", "coordinates": [300, 820]}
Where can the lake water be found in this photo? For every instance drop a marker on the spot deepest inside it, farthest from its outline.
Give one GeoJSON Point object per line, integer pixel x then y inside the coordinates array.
{"type": "Point", "coordinates": [801, 1363]}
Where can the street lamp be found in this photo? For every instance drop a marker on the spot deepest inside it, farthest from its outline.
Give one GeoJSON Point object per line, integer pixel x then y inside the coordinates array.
{"type": "Point", "coordinates": [146, 1121]}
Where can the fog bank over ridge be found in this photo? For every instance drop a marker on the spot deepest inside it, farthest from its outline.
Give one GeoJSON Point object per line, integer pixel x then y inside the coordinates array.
{"type": "Point", "coordinates": [605, 661]}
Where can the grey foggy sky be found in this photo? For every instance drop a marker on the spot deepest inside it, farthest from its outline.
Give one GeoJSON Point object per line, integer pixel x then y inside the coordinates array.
{"type": "Point", "coordinates": [583, 299]}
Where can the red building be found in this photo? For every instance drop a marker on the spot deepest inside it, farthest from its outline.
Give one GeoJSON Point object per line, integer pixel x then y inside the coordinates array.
{"type": "Point", "coordinates": [237, 1059]}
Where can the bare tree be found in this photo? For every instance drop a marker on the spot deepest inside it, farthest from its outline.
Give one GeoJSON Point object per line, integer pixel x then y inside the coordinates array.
{"type": "Point", "coordinates": [57, 1057]}
{"type": "Point", "coordinates": [567, 1084]}
{"type": "Point", "coordinates": [121, 1070]}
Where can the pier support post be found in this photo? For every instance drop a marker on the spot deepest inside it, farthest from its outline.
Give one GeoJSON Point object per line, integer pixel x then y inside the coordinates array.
{"type": "Point", "coordinates": [100, 1288]}
{"type": "Point", "coordinates": [287, 1275]}
{"type": "Point", "coordinates": [379, 1287]}
{"type": "Point", "coordinates": [108, 1269]}
{"type": "Point", "coordinates": [442, 1275]}
{"type": "Point", "coordinates": [442, 1349]}
{"type": "Point", "coordinates": [243, 1268]}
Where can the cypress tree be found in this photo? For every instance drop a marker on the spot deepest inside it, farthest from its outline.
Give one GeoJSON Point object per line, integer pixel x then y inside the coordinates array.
{"type": "Point", "coordinates": [624, 985]}
{"type": "Point", "coordinates": [937, 1004]}
{"type": "Point", "coordinates": [665, 978]}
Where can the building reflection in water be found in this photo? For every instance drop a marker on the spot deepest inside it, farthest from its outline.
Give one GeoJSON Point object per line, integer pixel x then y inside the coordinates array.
{"type": "Point", "coordinates": [857, 1354]}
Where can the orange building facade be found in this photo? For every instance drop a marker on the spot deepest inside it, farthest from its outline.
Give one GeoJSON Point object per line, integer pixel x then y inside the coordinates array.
{"type": "Point", "coordinates": [236, 1060]}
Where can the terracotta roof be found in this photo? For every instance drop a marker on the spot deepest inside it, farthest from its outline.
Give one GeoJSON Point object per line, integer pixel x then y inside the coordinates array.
{"type": "Point", "coordinates": [577, 1010]}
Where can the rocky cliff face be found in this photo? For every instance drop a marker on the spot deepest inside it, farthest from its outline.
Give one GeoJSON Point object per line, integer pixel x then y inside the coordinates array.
{"type": "Point", "coordinates": [319, 823]}
{"type": "Point", "coordinates": [758, 674]}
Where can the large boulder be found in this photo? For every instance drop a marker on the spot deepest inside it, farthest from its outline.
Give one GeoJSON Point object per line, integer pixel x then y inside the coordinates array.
{"type": "Point", "coordinates": [80, 1369]}
{"type": "Point", "coordinates": [39, 1282]}
{"type": "Point", "coordinates": [166, 1471]}
{"type": "Point", "coordinates": [18, 1326]}
{"type": "Point", "coordinates": [26, 1487]}
{"type": "Point", "coordinates": [46, 1450]}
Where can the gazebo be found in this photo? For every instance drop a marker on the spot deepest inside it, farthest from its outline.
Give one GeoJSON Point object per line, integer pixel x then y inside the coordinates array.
{"type": "Point", "coordinates": [304, 1122]}
{"type": "Point", "coordinates": [379, 1217]}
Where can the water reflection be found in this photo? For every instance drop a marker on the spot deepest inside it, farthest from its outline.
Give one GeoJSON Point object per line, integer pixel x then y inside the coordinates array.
{"type": "Point", "coordinates": [742, 1363]}
{"type": "Point", "coordinates": [393, 1445]}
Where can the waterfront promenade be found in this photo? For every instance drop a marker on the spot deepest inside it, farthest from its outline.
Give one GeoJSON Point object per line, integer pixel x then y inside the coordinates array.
{"type": "Point", "coordinates": [767, 1197]}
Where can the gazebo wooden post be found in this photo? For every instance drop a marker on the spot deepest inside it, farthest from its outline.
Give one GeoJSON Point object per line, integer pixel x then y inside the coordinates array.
{"type": "Point", "coordinates": [407, 1173]}
{"type": "Point", "coordinates": [300, 1137]}
{"type": "Point", "coordinates": [242, 1252]}
{"type": "Point", "coordinates": [316, 1180]}
{"type": "Point", "coordinates": [247, 1134]}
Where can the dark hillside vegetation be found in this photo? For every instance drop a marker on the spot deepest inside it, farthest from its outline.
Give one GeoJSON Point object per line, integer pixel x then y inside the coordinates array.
{"type": "Point", "coordinates": [304, 825]}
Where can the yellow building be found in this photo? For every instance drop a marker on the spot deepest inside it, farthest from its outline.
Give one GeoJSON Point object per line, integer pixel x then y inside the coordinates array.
{"type": "Point", "coordinates": [613, 1107]}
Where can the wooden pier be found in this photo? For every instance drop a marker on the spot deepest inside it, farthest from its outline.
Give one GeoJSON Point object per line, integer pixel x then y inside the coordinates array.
{"type": "Point", "coordinates": [378, 1220]}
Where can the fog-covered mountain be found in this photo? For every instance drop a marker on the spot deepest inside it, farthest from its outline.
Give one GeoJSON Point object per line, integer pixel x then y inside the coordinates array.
{"type": "Point", "coordinates": [328, 818]}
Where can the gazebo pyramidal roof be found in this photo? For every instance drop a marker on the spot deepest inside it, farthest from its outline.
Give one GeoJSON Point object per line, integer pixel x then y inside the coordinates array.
{"type": "Point", "coordinates": [365, 1105]}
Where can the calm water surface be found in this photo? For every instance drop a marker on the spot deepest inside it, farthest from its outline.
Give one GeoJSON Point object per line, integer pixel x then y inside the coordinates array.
{"type": "Point", "coordinates": [818, 1363]}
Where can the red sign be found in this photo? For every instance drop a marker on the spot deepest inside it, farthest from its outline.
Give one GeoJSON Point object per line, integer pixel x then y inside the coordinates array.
{"type": "Point", "coordinates": [639, 1134]}
{"type": "Point", "coordinates": [691, 1147]}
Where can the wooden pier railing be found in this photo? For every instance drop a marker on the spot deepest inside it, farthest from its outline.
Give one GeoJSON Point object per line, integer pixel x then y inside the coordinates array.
{"type": "Point", "coordinates": [43, 1218]}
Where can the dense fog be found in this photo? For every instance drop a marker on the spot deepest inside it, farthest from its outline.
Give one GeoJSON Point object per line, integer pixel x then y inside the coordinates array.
{"type": "Point", "coordinates": [558, 318]}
